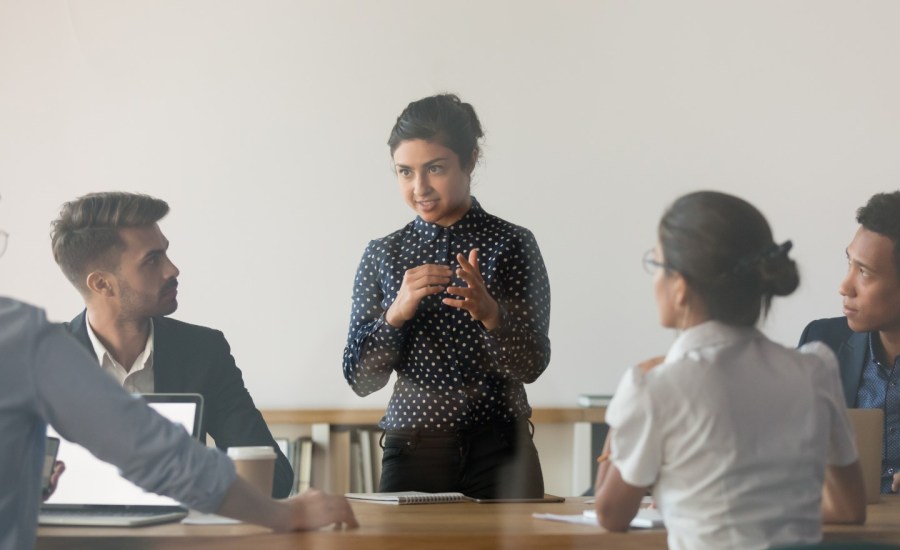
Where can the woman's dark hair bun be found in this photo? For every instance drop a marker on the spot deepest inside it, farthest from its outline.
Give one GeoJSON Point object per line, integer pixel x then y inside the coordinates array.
{"type": "Point", "coordinates": [723, 247]}
{"type": "Point", "coordinates": [778, 274]}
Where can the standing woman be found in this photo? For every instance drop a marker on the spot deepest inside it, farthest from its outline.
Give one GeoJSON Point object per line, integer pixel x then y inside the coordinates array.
{"type": "Point", "coordinates": [457, 303]}
{"type": "Point", "coordinates": [745, 443]}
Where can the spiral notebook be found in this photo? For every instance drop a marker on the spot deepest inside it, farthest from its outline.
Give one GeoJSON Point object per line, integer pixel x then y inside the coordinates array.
{"type": "Point", "coordinates": [417, 497]}
{"type": "Point", "coordinates": [409, 497]}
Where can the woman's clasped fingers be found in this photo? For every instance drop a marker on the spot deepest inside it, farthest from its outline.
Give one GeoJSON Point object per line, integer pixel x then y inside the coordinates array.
{"type": "Point", "coordinates": [418, 282]}
{"type": "Point", "coordinates": [425, 276]}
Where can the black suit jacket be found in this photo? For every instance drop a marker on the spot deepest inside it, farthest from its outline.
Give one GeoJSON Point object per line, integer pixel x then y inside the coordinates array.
{"type": "Point", "coordinates": [194, 359]}
{"type": "Point", "coordinates": [850, 348]}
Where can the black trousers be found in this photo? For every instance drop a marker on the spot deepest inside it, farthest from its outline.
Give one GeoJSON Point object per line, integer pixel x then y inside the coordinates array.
{"type": "Point", "coordinates": [490, 461]}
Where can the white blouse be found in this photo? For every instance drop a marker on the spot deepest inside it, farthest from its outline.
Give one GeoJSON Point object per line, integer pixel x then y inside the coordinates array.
{"type": "Point", "coordinates": [733, 432]}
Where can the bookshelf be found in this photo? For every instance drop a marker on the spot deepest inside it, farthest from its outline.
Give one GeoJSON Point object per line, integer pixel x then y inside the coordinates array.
{"type": "Point", "coordinates": [562, 436]}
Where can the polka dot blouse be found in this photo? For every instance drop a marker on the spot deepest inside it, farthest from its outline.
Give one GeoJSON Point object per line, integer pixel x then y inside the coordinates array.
{"type": "Point", "coordinates": [452, 373]}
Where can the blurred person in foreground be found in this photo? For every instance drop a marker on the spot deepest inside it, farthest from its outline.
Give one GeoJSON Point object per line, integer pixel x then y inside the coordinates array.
{"type": "Point", "coordinates": [46, 377]}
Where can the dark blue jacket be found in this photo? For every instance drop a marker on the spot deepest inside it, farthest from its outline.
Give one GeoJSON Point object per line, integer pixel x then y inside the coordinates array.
{"type": "Point", "coordinates": [850, 348]}
{"type": "Point", "coordinates": [193, 359]}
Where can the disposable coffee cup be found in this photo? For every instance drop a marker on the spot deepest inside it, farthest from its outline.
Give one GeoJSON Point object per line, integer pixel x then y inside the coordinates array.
{"type": "Point", "coordinates": [256, 465]}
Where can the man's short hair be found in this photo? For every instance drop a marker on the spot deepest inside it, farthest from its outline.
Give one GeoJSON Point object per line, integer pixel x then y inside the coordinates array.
{"type": "Point", "coordinates": [85, 236]}
{"type": "Point", "coordinates": [882, 215]}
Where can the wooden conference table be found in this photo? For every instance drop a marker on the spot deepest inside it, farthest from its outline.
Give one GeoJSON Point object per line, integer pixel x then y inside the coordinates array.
{"type": "Point", "coordinates": [460, 526]}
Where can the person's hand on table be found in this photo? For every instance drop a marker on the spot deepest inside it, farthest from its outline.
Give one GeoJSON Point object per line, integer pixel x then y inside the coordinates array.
{"type": "Point", "coordinates": [310, 510]}
{"type": "Point", "coordinates": [313, 509]}
{"type": "Point", "coordinates": [895, 484]}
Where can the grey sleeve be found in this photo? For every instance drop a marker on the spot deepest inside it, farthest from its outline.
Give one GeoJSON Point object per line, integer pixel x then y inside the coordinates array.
{"type": "Point", "coordinates": [87, 407]}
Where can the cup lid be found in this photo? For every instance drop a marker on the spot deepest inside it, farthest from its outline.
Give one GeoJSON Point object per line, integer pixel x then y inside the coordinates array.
{"type": "Point", "coordinates": [250, 453]}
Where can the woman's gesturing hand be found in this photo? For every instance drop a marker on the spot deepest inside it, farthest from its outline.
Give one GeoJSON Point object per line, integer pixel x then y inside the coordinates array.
{"type": "Point", "coordinates": [475, 297]}
{"type": "Point", "coordinates": [418, 282]}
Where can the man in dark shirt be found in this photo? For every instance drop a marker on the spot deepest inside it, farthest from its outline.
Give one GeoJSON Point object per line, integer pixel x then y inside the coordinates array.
{"type": "Point", "coordinates": [109, 245]}
{"type": "Point", "coordinates": [867, 338]}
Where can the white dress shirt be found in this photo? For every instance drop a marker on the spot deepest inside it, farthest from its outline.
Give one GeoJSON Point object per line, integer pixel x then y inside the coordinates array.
{"type": "Point", "coordinates": [138, 379]}
{"type": "Point", "coordinates": [733, 432]}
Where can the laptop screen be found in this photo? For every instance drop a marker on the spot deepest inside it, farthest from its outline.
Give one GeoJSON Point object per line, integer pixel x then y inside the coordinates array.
{"type": "Point", "coordinates": [89, 480]}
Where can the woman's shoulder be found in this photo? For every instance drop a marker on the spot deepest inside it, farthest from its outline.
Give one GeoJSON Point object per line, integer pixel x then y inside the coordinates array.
{"type": "Point", "coordinates": [811, 355]}
{"type": "Point", "coordinates": [818, 355]}
{"type": "Point", "coordinates": [391, 240]}
{"type": "Point", "coordinates": [642, 390]}
{"type": "Point", "coordinates": [653, 374]}
{"type": "Point", "coordinates": [814, 362]}
{"type": "Point", "coordinates": [506, 225]}
{"type": "Point", "coordinates": [496, 222]}
{"type": "Point", "coordinates": [510, 234]}
{"type": "Point", "coordinates": [396, 235]}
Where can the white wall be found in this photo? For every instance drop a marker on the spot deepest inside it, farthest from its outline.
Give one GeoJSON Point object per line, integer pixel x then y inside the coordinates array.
{"type": "Point", "coordinates": [263, 124]}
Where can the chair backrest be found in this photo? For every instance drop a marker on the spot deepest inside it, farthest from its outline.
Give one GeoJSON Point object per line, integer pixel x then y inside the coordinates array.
{"type": "Point", "coordinates": [868, 425]}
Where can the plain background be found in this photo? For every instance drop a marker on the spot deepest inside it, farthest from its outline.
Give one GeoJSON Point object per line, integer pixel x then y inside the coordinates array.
{"type": "Point", "coordinates": [263, 124]}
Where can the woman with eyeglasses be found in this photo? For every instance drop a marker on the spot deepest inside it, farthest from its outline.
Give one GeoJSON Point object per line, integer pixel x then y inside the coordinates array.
{"type": "Point", "coordinates": [457, 304]}
{"type": "Point", "coordinates": [743, 442]}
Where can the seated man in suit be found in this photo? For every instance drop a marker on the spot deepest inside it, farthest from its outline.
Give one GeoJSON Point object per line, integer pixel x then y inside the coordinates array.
{"type": "Point", "coordinates": [867, 339]}
{"type": "Point", "coordinates": [110, 247]}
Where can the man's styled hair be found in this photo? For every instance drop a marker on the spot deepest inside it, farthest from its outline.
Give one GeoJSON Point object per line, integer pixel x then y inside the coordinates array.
{"type": "Point", "coordinates": [85, 236]}
{"type": "Point", "coordinates": [882, 215]}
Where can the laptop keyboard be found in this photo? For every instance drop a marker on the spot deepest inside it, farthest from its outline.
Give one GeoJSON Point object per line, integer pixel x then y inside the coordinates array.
{"type": "Point", "coordinates": [105, 513]}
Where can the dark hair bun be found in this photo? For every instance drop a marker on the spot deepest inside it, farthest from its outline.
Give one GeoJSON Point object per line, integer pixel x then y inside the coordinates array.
{"type": "Point", "coordinates": [723, 247]}
{"type": "Point", "coordinates": [778, 275]}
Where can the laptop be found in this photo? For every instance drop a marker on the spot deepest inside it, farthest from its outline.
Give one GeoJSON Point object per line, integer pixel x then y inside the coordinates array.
{"type": "Point", "coordinates": [92, 493]}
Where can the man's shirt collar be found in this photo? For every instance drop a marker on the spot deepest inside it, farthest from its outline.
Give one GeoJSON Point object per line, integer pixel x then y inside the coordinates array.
{"type": "Point", "coordinates": [106, 359]}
